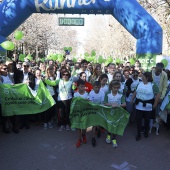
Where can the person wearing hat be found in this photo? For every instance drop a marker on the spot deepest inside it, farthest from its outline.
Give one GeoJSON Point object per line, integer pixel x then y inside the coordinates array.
{"type": "Point", "coordinates": [24, 76]}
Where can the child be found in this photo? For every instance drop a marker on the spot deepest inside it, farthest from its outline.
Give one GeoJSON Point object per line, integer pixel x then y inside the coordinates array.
{"type": "Point", "coordinates": [115, 99]}
{"type": "Point", "coordinates": [81, 93]}
{"type": "Point", "coordinates": [96, 96]}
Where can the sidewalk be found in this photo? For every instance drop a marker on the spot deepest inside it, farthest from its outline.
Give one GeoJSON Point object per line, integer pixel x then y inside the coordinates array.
{"type": "Point", "coordinates": [36, 149]}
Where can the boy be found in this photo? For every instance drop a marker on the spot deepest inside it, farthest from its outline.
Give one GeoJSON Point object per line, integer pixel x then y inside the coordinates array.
{"type": "Point", "coordinates": [115, 99]}
{"type": "Point", "coordinates": [96, 96]}
{"type": "Point", "coordinates": [81, 93]}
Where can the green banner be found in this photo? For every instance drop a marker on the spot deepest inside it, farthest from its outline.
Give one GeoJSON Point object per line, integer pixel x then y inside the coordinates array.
{"type": "Point", "coordinates": [84, 114]}
{"type": "Point", "coordinates": [19, 99]}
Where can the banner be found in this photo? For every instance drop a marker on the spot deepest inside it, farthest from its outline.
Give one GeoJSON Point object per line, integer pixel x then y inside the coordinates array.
{"type": "Point", "coordinates": [19, 99]}
{"type": "Point", "coordinates": [84, 114]}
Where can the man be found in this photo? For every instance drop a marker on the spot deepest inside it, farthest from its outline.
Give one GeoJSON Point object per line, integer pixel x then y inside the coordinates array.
{"type": "Point", "coordinates": [160, 78]}
{"type": "Point", "coordinates": [24, 76]}
{"type": "Point", "coordinates": [111, 71]}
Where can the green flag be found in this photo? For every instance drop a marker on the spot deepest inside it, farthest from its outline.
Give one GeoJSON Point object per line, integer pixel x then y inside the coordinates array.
{"type": "Point", "coordinates": [84, 114]}
{"type": "Point", "coordinates": [19, 99]}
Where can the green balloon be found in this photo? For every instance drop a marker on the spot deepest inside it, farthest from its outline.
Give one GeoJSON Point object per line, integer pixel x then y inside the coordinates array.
{"type": "Point", "coordinates": [70, 49]}
{"type": "Point", "coordinates": [74, 60]}
{"type": "Point", "coordinates": [21, 57]}
{"type": "Point", "coordinates": [118, 61]}
{"type": "Point", "coordinates": [110, 59]}
{"type": "Point", "coordinates": [55, 57]}
{"type": "Point", "coordinates": [100, 59]}
{"type": "Point", "coordinates": [132, 61]}
{"type": "Point", "coordinates": [65, 48]}
{"type": "Point", "coordinates": [18, 35]}
{"type": "Point", "coordinates": [29, 57]}
{"type": "Point", "coordinates": [7, 45]}
{"type": "Point", "coordinates": [165, 62]}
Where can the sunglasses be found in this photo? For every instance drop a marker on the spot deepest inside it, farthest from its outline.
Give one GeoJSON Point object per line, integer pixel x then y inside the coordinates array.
{"type": "Point", "coordinates": [65, 74]}
{"type": "Point", "coordinates": [26, 66]}
{"type": "Point", "coordinates": [135, 75]}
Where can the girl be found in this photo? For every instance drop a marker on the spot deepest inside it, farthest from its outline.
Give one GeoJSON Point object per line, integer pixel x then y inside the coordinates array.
{"type": "Point", "coordinates": [115, 99]}
{"type": "Point", "coordinates": [48, 115]}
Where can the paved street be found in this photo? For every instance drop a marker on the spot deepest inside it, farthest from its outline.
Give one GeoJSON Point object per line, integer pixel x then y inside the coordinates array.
{"type": "Point", "coordinates": [36, 149]}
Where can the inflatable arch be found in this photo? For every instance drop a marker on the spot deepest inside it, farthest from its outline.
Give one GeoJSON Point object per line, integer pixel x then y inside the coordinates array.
{"type": "Point", "coordinates": [131, 15]}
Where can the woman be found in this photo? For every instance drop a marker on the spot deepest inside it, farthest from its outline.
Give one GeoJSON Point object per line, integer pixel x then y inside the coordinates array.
{"type": "Point", "coordinates": [119, 77]}
{"type": "Point", "coordinates": [64, 98]}
{"type": "Point", "coordinates": [147, 97]}
{"type": "Point", "coordinates": [88, 86]}
{"type": "Point", "coordinates": [96, 74]}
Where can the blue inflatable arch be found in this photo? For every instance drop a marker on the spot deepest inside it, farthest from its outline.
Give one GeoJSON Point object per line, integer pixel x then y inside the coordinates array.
{"type": "Point", "coordinates": [129, 13]}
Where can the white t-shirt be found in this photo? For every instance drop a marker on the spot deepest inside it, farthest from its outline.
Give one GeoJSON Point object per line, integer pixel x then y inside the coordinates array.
{"type": "Point", "coordinates": [37, 82]}
{"type": "Point", "coordinates": [25, 77]}
{"type": "Point", "coordinates": [157, 79]}
{"type": "Point", "coordinates": [97, 98]}
{"type": "Point", "coordinates": [50, 88]}
{"type": "Point", "coordinates": [64, 90]}
{"type": "Point", "coordinates": [144, 92]}
{"type": "Point", "coordinates": [84, 96]}
{"type": "Point", "coordinates": [114, 99]}
{"type": "Point", "coordinates": [110, 77]}
{"type": "Point", "coordinates": [104, 89]}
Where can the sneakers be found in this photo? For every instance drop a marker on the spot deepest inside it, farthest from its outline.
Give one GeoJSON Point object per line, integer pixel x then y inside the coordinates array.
{"type": "Point", "coordinates": [45, 126]}
{"type": "Point", "coordinates": [61, 128]}
{"type": "Point", "coordinates": [108, 140]}
{"type": "Point", "coordinates": [84, 138]}
{"type": "Point", "coordinates": [67, 127]}
{"type": "Point", "coordinates": [50, 125]}
{"type": "Point", "coordinates": [93, 142]}
{"type": "Point", "coordinates": [114, 143]}
{"type": "Point", "coordinates": [79, 142]}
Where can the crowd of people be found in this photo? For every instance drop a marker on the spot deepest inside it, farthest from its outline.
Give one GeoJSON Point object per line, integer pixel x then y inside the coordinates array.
{"type": "Point", "coordinates": [139, 92]}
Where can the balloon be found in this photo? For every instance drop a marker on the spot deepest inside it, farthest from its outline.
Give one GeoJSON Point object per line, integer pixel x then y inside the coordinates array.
{"type": "Point", "coordinates": [110, 59]}
{"type": "Point", "coordinates": [29, 57]}
{"type": "Point", "coordinates": [132, 61]}
{"type": "Point", "coordinates": [106, 63]}
{"type": "Point", "coordinates": [70, 49]}
{"type": "Point", "coordinates": [65, 48]}
{"type": "Point", "coordinates": [54, 57]}
{"type": "Point", "coordinates": [60, 58]}
{"type": "Point", "coordinates": [7, 45]}
{"type": "Point", "coordinates": [74, 60]}
{"type": "Point", "coordinates": [165, 62]}
{"type": "Point", "coordinates": [18, 35]}
{"type": "Point", "coordinates": [21, 57]}
{"type": "Point", "coordinates": [86, 54]}
{"type": "Point", "coordinates": [93, 53]}
{"type": "Point", "coordinates": [118, 61]}
{"type": "Point", "coordinates": [100, 59]}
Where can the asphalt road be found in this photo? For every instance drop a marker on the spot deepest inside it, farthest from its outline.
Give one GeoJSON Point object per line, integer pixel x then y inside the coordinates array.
{"type": "Point", "coordinates": [36, 149]}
